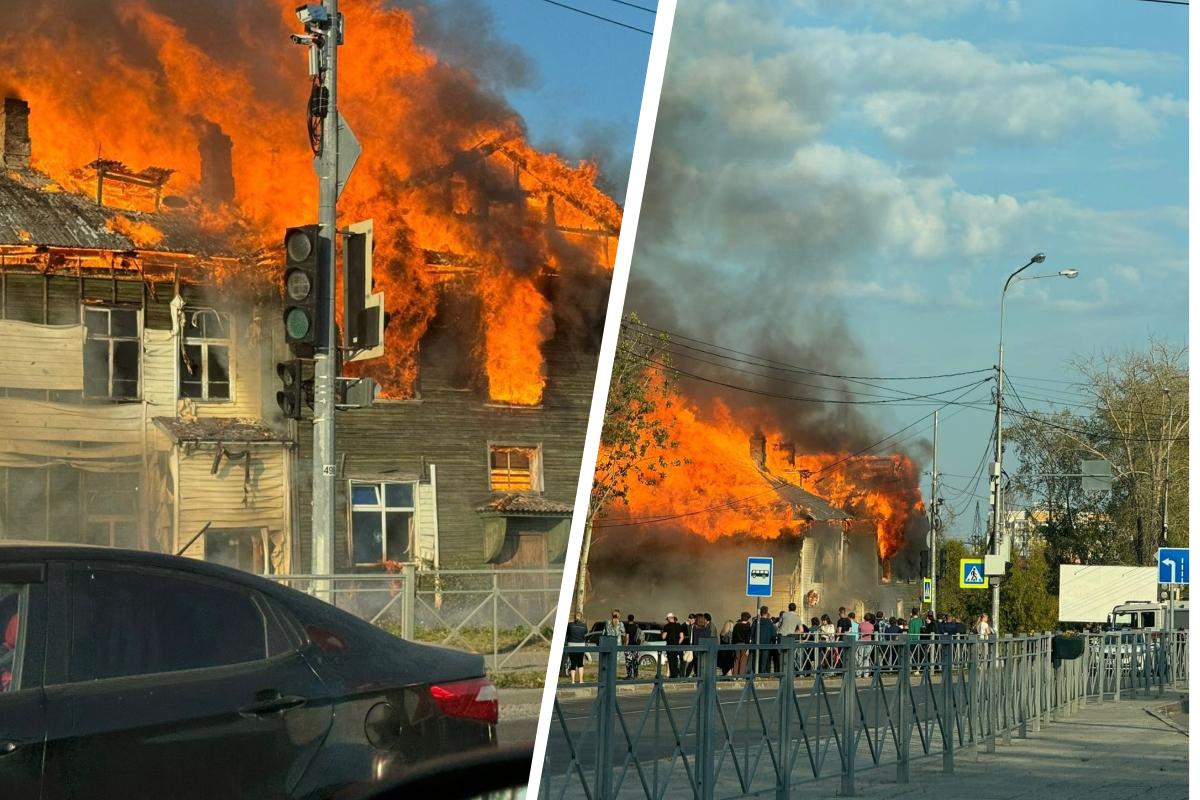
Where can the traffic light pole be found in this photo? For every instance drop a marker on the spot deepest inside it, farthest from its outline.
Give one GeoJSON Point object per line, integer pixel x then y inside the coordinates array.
{"type": "Point", "coordinates": [933, 511]}
{"type": "Point", "coordinates": [324, 477]}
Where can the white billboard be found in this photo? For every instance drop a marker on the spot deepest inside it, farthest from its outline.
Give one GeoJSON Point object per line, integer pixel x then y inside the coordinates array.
{"type": "Point", "coordinates": [1089, 593]}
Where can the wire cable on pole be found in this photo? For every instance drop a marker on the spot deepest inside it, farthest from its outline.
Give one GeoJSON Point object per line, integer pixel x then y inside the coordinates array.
{"type": "Point", "coordinates": [599, 17]}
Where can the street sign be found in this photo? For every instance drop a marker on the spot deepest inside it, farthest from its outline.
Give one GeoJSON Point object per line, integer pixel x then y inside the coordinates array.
{"type": "Point", "coordinates": [1172, 565]}
{"type": "Point", "coordinates": [970, 574]}
{"type": "Point", "coordinates": [926, 590]}
{"type": "Point", "coordinates": [1097, 476]}
{"type": "Point", "coordinates": [348, 152]}
{"type": "Point", "coordinates": [759, 572]}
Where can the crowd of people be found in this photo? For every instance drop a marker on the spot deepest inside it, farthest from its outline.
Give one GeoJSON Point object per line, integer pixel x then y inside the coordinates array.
{"type": "Point", "coordinates": [767, 629]}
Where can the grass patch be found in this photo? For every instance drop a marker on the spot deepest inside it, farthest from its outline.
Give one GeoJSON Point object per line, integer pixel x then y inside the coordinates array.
{"type": "Point", "coordinates": [523, 679]}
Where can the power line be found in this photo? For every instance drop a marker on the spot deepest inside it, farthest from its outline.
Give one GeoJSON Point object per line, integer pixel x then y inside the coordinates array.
{"type": "Point", "coordinates": [1167, 2]}
{"type": "Point", "coordinates": [904, 395]}
{"type": "Point", "coordinates": [731, 503]}
{"type": "Point", "coordinates": [1040, 419]}
{"type": "Point", "coordinates": [784, 366]}
{"type": "Point", "coordinates": [598, 16]}
{"type": "Point", "coordinates": [900, 401]}
{"type": "Point", "coordinates": [634, 5]}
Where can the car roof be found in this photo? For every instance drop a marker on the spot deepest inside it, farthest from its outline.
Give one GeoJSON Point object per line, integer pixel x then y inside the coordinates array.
{"type": "Point", "coordinates": [17, 550]}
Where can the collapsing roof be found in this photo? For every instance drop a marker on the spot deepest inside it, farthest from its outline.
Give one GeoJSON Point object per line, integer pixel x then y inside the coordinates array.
{"type": "Point", "coordinates": [811, 506]}
{"type": "Point", "coordinates": [33, 216]}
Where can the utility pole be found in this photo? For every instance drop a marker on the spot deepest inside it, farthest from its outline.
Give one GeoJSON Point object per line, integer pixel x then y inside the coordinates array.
{"type": "Point", "coordinates": [324, 479]}
{"type": "Point", "coordinates": [933, 527]}
{"type": "Point", "coordinates": [1166, 495]}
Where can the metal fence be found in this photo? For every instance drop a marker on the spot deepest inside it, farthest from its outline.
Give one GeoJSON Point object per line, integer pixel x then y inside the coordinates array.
{"type": "Point", "coordinates": [505, 614]}
{"type": "Point", "coordinates": [806, 711]}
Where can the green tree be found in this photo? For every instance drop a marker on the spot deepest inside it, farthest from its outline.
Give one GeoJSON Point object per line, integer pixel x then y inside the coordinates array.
{"type": "Point", "coordinates": [637, 440]}
{"type": "Point", "coordinates": [1027, 606]}
{"type": "Point", "coordinates": [1132, 412]}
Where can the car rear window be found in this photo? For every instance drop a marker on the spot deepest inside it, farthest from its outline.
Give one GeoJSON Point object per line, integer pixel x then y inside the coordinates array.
{"type": "Point", "coordinates": [140, 622]}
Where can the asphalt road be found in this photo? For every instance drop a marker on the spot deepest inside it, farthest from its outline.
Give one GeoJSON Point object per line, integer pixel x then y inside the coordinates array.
{"type": "Point", "coordinates": [741, 716]}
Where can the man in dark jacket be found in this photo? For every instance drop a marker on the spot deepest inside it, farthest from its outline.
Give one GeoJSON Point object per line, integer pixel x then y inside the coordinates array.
{"type": "Point", "coordinates": [576, 634]}
{"type": "Point", "coordinates": [764, 633]}
{"type": "Point", "coordinates": [673, 634]}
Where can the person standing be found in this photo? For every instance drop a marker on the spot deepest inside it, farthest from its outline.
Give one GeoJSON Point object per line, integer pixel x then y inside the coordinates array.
{"type": "Point", "coordinates": [791, 625]}
{"type": "Point", "coordinates": [914, 635]}
{"type": "Point", "coordinates": [726, 657]}
{"type": "Point", "coordinates": [764, 633]}
{"type": "Point", "coordinates": [673, 635]}
{"type": "Point", "coordinates": [866, 633]}
{"type": "Point", "coordinates": [633, 637]}
{"type": "Point", "coordinates": [982, 628]}
{"type": "Point", "coordinates": [689, 657]}
{"type": "Point", "coordinates": [743, 633]}
{"type": "Point", "coordinates": [576, 634]}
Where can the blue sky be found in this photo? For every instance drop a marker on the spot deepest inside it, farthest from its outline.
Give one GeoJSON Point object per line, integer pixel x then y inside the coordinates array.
{"type": "Point", "coordinates": [860, 177]}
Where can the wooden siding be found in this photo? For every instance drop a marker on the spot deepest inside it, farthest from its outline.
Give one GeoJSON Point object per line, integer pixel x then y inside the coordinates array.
{"type": "Point", "coordinates": [222, 499]}
{"type": "Point", "coordinates": [451, 428]}
{"type": "Point", "coordinates": [37, 356]}
{"type": "Point", "coordinates": [36, 431]}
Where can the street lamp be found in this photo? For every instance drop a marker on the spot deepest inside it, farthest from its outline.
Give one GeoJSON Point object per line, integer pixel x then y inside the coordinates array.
{"type": "Point", "coordinates": [998, 466]}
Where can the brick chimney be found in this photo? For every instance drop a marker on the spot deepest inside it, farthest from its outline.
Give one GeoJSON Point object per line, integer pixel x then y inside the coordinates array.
{"type": "Point", "coordinates": [758, 449]}
{"type": "Point", "coordinates": [216, 164]}
{"type": "Point", "coordinates": [14, 134]}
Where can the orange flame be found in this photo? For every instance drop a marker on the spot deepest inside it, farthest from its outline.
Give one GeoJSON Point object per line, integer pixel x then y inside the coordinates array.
{"type": "Point", "coordinates": [445, 167]}
{"type": "Point", "coordinates": [719, 490]}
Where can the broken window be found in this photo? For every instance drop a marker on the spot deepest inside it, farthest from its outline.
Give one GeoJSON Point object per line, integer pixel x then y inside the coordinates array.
{"type": "Point", "coordinates": [40, 503]}
{"type": "Point", "coordinates": [111, 509]}
{"type": "Point", "coordinates": [515, 468]}
{"type": "Point", "coordinates": [112, 352]}
{"type": "Point", "coordinates": [382, 522]}
{"type": "Point", "coordinates": [204, 359]}
{"type": "Point", "coordinates": [241, 548]}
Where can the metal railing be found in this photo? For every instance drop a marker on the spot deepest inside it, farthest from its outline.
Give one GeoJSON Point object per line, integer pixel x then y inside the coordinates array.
{"type": "Point", "coordinates": [805, 711]}
{"type": "Point", "coordinates": [505, 614]}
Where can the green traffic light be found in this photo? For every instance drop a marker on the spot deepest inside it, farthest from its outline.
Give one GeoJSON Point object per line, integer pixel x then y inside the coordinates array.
{"type": "Point", "coordinates": [297, 324]}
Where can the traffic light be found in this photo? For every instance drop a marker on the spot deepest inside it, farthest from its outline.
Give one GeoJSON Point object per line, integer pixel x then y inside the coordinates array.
{"type": "Point", "coordinates": [291, 395]}
{"type": "Point", "coordinates": [302, 289]}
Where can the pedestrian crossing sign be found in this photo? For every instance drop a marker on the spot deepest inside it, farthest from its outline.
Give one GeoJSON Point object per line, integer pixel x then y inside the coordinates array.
{"type": "Point", "coordinates": [926, 590]}
{"type": "Point", "coordinates": [970, 574]}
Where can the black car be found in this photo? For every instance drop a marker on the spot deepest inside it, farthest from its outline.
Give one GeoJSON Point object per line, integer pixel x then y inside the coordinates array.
{"type": "Point", "coordinates": [133, 674]}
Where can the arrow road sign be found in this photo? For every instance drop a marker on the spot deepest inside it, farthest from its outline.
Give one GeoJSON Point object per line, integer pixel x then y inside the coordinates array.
{"type": "Point", "coordinates": [970, 574]}
{"type": "Point", "coordinates": [759, 572]}
{"type": "Point", "coordinates": [1173, 565]}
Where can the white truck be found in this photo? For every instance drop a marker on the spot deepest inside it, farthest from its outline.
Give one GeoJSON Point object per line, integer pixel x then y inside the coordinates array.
{"type": "Point", "coordinates": [1145, 615]}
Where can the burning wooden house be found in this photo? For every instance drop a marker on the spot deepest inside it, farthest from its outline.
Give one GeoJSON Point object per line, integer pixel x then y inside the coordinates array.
{"type": "Point", "coordinates": [470, 455]}
{"type": "Point", "coordinates": [135, 404]}
{"type": "Point", "coordinates": [138, 381]}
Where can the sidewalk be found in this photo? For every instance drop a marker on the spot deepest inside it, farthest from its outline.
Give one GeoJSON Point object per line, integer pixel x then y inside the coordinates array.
{"type": "Point", "coordinates": [1107, 751]}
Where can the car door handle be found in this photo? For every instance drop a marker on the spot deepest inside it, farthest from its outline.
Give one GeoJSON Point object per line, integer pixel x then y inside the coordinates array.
{"type": "Point", "coordinates": [272, 702]}
{"type": "Point", "coordinates": [8, 746]}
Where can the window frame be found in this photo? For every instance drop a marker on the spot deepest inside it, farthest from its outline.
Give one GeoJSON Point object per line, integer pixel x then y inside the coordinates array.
{"type": "Point", "coordinates": [108, 337]}
{"type": "Point", "coordinates": [537, 483]}
{"type": "Point", "coordinates": [383, 509]}
{"type": "Point", "coordinates": [203, 342]}
{"type": "Point", "coordinates": [86, 517]}
{"type": "Point", "coordinates": [66, 655]}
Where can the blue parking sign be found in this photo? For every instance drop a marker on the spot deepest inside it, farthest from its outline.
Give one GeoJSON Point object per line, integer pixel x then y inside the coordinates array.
{"type": "Point", "coordinates": [759, 573]}
{"type": "Point", "coordinates": [1172, 565]}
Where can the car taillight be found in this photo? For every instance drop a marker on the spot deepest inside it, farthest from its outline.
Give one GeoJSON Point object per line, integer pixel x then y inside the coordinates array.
{"type": "Point", "coordinates": [473, 699]}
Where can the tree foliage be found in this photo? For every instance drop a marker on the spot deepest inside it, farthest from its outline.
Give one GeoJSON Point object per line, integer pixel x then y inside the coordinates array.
{"type": "Point", "coordinates": [1133, 413]}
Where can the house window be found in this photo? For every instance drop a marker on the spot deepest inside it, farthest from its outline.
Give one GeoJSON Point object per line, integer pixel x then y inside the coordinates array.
{"type": "Point", "coordinates": [204, 359]}
{"type": "Point", "coordinates": [241, 548]}
{"type": "Point", "coordinates": [515, 469]}
{"type": "Point", "coordinates": [382, 522]}
{"type": "Point", "coordinates": [112, 352]}
{"type": "Point", "coordinates": [111, 509]}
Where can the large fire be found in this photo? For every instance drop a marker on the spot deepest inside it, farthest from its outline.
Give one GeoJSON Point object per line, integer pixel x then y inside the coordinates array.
{"type": "Point", "coordinates": [445, 172]}
{"type": "Point", "coordinates": [719, 489]}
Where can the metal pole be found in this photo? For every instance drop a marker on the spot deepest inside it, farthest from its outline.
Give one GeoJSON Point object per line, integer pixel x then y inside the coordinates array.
{"type": "Point", "coordinates": [933, 493]}
{"type": "Point", "coordinates": [606, 712]}
{"type": "Point", "coordinates": [849, 714]}
{"type": "Point", "coordinates": [998, 466]}
{"type": "Point", "coordinates": [786, 699]}
{"type": "Point", "coordinates": [324, 469]}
